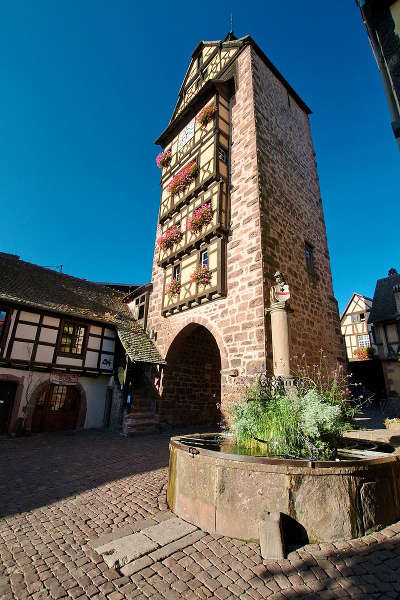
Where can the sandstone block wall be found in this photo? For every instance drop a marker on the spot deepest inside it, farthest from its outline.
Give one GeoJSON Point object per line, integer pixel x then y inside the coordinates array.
{"type": "Point", "coordinates": [291, 215]}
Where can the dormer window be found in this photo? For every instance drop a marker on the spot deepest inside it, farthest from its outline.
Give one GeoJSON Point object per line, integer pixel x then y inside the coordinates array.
{"type": "Point", "coordinates": [72, 339]}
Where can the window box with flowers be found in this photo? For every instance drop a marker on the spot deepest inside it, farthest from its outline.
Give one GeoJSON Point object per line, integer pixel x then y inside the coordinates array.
{"type": "Point", "coordinates": [164, 158]}
{"type": "Point", "coordinates": [183, 178]}
{"type": "Point", "coordinates": [173, 288]}
{"type": "Point", "coordinates": [169, 238]}
{"type": "Point", "coordinates": [201, 275]}
{"type": "Point", "coordinates": [206, 115]}
{"type": "Point", "coordinates": [201, 217]}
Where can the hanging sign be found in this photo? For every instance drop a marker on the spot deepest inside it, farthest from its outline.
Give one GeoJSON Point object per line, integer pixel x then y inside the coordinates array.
{"type": "Point", "coordinates": [64, 378]}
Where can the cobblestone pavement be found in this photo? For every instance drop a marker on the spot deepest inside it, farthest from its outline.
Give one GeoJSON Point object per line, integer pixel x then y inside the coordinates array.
{"type": "Point", "coordinates": [59, 491]}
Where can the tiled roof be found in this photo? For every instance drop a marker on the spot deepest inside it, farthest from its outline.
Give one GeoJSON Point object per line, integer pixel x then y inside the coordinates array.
{"type": "Point", "coordinates": [384, 303]}
{"type": "Point", "coordinates": [30, 285]}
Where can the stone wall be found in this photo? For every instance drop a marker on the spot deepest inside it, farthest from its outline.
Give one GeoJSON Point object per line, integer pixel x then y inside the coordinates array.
{"type": "Point", "coordinates": [292, 214]}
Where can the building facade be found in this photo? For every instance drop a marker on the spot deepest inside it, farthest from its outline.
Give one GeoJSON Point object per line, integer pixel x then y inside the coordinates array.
{"type": "Point", "coordinates": [385, 318]}
{"type": "Point", "coordinates": [240, 200]}
{"type": "Point", "coordinates": [62, 342]}
{"type": "Point", "coordinates": [356, 331]}
{"type": "Point", "coordinates": [382, 22]}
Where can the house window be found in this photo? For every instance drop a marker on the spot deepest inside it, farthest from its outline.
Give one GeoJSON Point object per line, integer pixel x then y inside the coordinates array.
{"type": "Point", "coordinates": [3, 321]}
{"type": "Point", "coordinates": [354, 318]}
{"type": "Point", "coordinates": [204, 258]}
{"type": "Point", "coordinates": [362, 316]}
{"type": "Point", "coordinates": [72, 338]}
{"type": "Point", "coordinates": [199, 62]}
{"type": "Point", "coordinates": [363, 341]}
{"type": "Point", "coordinates": [140, 306]}
{"type": "Point", "coordinates": [177, 272]}
{"type": "Point", "coordinates": [310, 259]}
{"type": "Point", "coordinates": [57, 398]}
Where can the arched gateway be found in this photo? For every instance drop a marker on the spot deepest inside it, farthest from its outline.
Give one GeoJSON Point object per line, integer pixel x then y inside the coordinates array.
{"type": "Point", "coordinates": [192, 379]}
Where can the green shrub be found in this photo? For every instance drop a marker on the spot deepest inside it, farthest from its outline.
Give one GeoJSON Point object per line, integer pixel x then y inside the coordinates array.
{"type": "Point", "coordinates": [307, 421]}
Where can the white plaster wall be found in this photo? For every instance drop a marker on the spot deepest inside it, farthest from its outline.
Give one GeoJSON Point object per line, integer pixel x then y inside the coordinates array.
{"type": "Point", "coordinates": [48, 335]}
{"type": "Point", "coordinates": [95, 389]}
{"type": "Point", "coordinates": [91, 359]}
{"type": "Point", "coordinates": [108, 345]}
{"type": "Point", "coordinates": [71, 362]}
{"type": "Point", "coordinates": [94, 329]}
{"type": "Point", "coordinates": [22, 350]}
{"type": "Point", "coordinates": [28, 332]}
{"type": "Point", "coordinates": [28, 316]}
{"type": "Point", "coordinates": [53, 321]}
{"type": "Point", "coordinates": [94, 343]}
{"type": "Point", "coordinates": [44, 354]}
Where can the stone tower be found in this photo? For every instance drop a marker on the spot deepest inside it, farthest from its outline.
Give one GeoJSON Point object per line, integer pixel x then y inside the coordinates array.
{"type": "Point", "coordinates": [240, 199]}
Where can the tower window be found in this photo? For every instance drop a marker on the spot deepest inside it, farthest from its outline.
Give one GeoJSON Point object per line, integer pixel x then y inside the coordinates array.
{"type": "Point", "coordinates": [223, 154]}
{"type": "Point", "coordinates": [310, 259]}
{"type": "Point", "coordinates": [177, 272]}
{"type": "Point", "coordinates": [204, 258]}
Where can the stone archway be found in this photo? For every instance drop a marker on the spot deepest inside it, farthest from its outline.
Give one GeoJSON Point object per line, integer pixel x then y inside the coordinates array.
{"type": "Point", "coordinates": [191, 389]}
{"type": "Point", "coordinates": [44, 387]}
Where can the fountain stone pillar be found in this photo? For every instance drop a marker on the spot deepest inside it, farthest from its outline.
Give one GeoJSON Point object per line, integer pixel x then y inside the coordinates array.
{"type": "Point", "coordinates": [279, 310]}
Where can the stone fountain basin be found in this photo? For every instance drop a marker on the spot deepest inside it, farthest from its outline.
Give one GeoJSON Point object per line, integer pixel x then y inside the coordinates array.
{"type": "Point", "coordinates": [320, 501]}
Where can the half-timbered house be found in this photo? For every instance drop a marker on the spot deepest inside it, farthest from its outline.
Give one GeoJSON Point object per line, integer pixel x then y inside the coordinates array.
{"type": "Point", "coordinates": [357, 333]}
{"type": "Point", "coordinates": [63, 343]}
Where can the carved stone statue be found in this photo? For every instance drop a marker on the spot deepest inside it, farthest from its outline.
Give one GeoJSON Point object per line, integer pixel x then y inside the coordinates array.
{"type": "Point", "coordinates": [280, 290]}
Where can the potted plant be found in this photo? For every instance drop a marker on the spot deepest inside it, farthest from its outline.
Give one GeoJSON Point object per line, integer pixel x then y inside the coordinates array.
{"type": "Point", "coordinates": [183, 178]}
{"type": "Point", "coordinates": [164, 158]}
{"type": "Point", "coordinates": [201, 275]}
{"type": "Point", "coordinates": [173, 288]}
{"type": "Point", "coordinates": [206, 114]}
{"type": "Point", "coordinates": [201, 217]}
{"type": "Point", "coordinates": [172, 236]}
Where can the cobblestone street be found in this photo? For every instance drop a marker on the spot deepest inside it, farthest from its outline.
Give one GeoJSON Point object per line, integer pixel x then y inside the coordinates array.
{"type": "Point", "coordinates": [58, 492]}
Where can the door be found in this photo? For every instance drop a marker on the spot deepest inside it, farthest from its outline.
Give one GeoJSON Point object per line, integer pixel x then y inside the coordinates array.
{"type": "Point", "coordinates": [57, 409]}
{"type": "Point", "coordinates": [7, 396]}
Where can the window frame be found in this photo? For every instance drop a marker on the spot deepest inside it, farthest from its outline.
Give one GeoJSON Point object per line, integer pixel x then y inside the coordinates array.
{"type": "Point", "coordinates": [6, 327]}
{"type": "Point", "coordinates": [310, 265]}
{"type": "Point", "coordinates": [84, 341]}
{"type": "Point", "coordinates": [177, 266]}
{"type": "Point", "coordinates": [365, 338]}
{"type": "Point", "coordinates": [204, 251]}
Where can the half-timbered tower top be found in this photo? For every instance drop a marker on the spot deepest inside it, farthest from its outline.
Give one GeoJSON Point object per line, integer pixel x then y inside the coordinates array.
{"type": "Point", "coordinates": [212, 64]}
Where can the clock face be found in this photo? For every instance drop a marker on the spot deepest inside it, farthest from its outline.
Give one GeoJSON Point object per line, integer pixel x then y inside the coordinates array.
{"type": "Point", "coordinates": [186, 134]}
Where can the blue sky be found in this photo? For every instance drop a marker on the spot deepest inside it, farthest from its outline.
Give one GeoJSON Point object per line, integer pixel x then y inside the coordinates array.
{"type": "Point", "coordinates": [87, 87]}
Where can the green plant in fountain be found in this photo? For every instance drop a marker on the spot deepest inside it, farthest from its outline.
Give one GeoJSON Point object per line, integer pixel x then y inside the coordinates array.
{"type": "Point", "coordinates": [307, 421]}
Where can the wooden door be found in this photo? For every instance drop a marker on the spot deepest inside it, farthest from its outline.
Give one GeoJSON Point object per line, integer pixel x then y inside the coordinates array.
{"type": "Point", "coordinates": [57, 409]}
{"type": "Point", "coordinates": [7, 397]}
